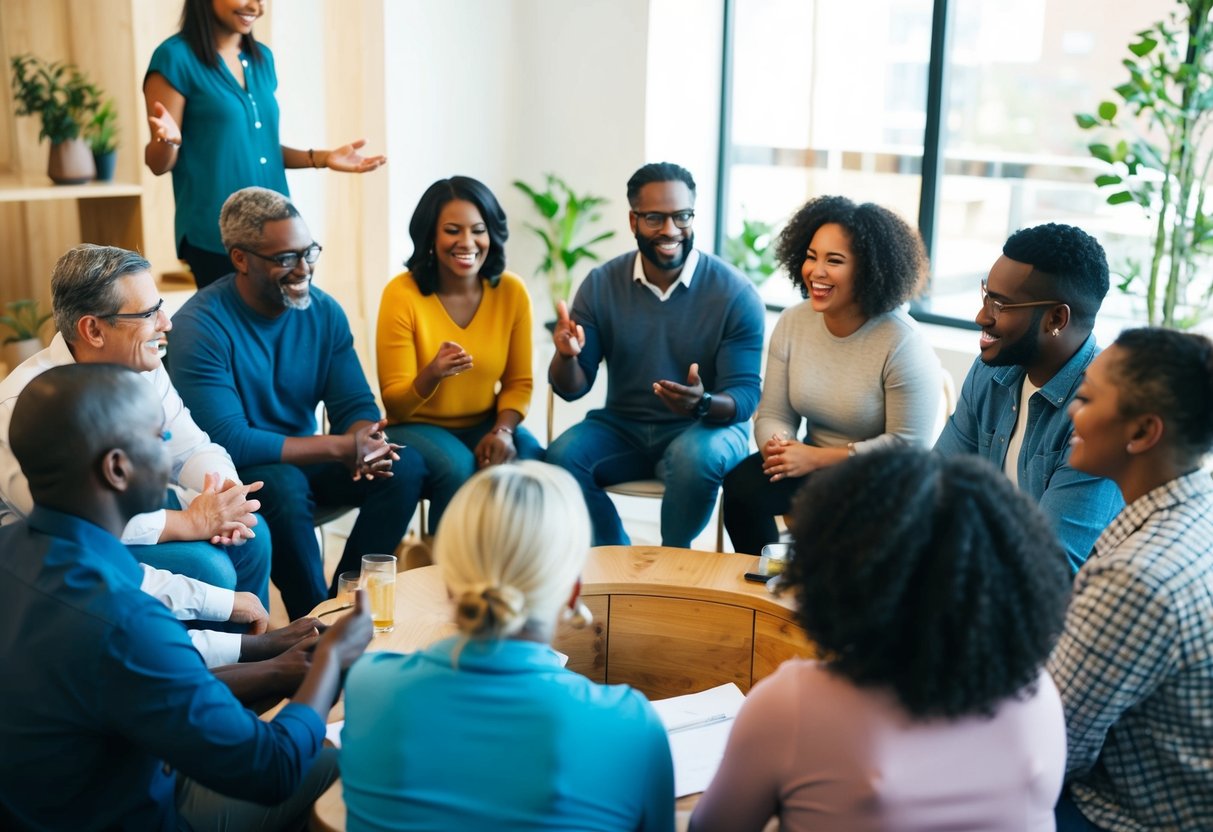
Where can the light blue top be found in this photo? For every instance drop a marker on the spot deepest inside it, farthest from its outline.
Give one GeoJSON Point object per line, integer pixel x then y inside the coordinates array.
{"type": "Point", "coordinates": [229, 136]}
{"type": "Point", "coordinates": [1079, 505]}
{"type": "Point", "coordinates": [509, 740]}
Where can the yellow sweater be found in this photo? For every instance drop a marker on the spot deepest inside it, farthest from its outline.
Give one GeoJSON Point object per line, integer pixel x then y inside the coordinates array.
{"type": "Point", "coordinates": [412, 326]}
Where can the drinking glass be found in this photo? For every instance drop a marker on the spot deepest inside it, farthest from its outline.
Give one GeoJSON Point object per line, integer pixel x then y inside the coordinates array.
{"type": "Point", "coordinates": [347, 582]}
{"type": "Point", "coordinates": [379, 580]}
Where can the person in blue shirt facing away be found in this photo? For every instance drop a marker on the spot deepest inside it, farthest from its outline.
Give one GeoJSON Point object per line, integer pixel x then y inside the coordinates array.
{"type": "Point", "coordinates": [254, 355]}
{"type": "Point", "coordinates": [209, 91]}
{"type": "Point", "coordinates": [487, 729]}
{"type": "Point", "coordinates": [681, 333]}
{"type": "Point", "coordinates": [1038, 308]}
{"type": "Point", "coordinates": [109, 718]}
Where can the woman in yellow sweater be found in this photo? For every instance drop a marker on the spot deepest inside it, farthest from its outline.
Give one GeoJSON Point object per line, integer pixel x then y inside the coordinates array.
{"type": "Point", "coordinates": [454, 342]}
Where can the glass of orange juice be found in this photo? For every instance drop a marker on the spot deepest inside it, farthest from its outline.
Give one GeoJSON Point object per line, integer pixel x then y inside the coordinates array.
{"type": "Point", "coordinates": [379, 580]}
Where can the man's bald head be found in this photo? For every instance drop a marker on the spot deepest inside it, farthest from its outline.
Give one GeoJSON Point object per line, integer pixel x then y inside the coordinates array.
{"type": "Point", "coordinates": [69, 422]}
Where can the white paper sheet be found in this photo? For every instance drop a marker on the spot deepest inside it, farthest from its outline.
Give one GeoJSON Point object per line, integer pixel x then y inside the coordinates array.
{"type": "Point", "coordinates": [698, 725]}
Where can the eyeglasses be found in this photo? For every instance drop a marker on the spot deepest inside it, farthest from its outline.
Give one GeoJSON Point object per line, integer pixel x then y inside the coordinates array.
{"type": "Point", "coordinates": [994, 308]}
{"type": "Point", "coordinates": [290, 259]}
{"type": "Point", "coordinates": [655, 220]}
{"type": "Point", "coordinates": [146, 315]}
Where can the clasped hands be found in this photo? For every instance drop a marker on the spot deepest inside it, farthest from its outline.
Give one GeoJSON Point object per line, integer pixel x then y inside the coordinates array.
{"type": "Point", "coordinates": [373, 453]}
{"type": "Point", "coordinates": [223, 512]}
{"type": "Point", "coordinates": [783, 458]}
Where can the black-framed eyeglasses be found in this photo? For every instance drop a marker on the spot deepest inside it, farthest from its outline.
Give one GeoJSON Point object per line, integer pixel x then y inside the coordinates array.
{"type": "Point", "coordinates": [145, 315]}
{"type": "Point", "coordinates": [655, 220]}
{"type": "Point", "coordinates": [290, 259]}
{"type": "Point", "coordinates": [995, 307]}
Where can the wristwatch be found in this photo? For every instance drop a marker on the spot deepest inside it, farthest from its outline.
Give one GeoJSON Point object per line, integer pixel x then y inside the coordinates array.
{"type": "Point", "coordinates": [703, 405]}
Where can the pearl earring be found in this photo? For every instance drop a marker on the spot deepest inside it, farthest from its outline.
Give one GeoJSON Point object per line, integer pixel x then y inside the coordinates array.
{"type": "Point", "coordinates": [1056, 332]}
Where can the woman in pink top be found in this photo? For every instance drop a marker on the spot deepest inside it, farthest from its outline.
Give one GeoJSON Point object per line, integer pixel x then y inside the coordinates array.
{"type": "Point", "coordinates": [936, 590]}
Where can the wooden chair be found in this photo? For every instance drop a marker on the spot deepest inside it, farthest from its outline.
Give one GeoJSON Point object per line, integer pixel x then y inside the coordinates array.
{"type": "Point", "coordinates": [652, 489]}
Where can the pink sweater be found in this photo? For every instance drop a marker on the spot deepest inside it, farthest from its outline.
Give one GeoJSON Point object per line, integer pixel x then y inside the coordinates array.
{"type": "Point", "coordinates": [821, 753]}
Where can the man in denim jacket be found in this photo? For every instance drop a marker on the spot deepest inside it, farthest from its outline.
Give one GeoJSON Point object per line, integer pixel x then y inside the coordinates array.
{"type": "Point", "coordinates": [1038, 308]}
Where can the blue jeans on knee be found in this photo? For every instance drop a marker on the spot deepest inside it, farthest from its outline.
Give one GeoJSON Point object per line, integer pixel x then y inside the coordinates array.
{"type": "Point", "coordinates": [244, 568]}
{"type": "Point", "coordinates": [448, 457]}
{"type": "Point", "coordinates": [690, 458]}
{"type": "Point", "coordinates": [288, 503]}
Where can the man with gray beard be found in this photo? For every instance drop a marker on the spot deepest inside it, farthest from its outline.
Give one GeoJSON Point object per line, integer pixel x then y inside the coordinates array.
{"type": "Point", "coordinates": [254, 354]}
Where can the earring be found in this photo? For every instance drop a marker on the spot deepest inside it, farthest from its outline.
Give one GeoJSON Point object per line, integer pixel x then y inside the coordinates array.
{"type": "Point", "coordinates": [578, 616]}
{"type": "Point", "coordinates": [1129, 447]}
{"type": "Point", "coordinates": [1056, 332]}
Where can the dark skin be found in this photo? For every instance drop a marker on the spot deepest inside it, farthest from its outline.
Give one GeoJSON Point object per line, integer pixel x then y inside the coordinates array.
{"type": "Point", "coordinates": [122, 483]}
{"type": "Point", "coordinates": [682, 398]}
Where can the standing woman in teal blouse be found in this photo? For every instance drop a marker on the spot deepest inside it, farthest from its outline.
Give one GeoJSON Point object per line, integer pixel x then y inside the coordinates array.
{"type": "Point", "coordinates": [210, 103]}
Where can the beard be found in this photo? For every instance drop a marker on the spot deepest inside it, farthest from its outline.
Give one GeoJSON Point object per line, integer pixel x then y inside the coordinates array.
{"type": "Point", "coordinates": [292, 302]}
{"type": "Point", "coordinates": [648, 248]}
{"type": "Point", "coordinates": [1024, 350]}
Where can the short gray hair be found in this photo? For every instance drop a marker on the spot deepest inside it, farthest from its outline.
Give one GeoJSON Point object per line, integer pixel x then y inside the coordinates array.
{"type": "Point", "coordinates": [245, 214]}
{"type": "Point", "coordinates": [83, 283]}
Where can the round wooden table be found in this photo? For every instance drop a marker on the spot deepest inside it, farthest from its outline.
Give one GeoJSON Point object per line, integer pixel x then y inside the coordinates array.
{"type": "Point", "coordinates": [666, 622]}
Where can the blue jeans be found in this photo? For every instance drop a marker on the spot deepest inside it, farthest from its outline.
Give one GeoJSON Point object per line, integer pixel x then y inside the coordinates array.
{"type": "Point", "coordinates": [288, 503]}
{"type": "Point", "coordinates": [691, 458]}
{"type": "Point", "coordinates": [448, 456]}
{"type": "Point", "coordinates": [244, 568]}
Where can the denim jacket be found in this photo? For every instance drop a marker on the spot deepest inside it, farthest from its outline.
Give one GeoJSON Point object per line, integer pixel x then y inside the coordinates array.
{"type": "Point", "coordinates": [1079, 505]}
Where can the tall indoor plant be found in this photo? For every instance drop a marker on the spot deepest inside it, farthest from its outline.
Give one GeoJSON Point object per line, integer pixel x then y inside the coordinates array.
{"type": "Point", "coordinates": [564, 215]}
{"type": "Point", "coordinates": [65, 101]}
{"type": "Point", "coordinates": [1159, 151]}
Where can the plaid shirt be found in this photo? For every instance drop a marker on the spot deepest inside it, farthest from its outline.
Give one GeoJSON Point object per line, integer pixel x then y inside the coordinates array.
{"type": "Point", "coordinates": [1135, 665]}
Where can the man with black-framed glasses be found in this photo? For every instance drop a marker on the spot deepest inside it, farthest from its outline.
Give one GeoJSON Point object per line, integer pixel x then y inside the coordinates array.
{"type": "Point", "coordinates": [255, 353]}
{"type": "Point", "coordinates": [1038, 309]}
{"type": "Point", "coordinates": [206, 556]}
{"type": "Point", "coordinates": [681, 333]}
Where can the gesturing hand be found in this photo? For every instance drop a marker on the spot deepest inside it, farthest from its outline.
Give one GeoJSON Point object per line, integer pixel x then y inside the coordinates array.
{"type": "Point", "coordinates": [347, 159]}
{"type": "Point", "coordinates": [568, 336]}
{"type": "Point", "coordinates": [373, 453]}
{"type": "Point", "coordinates": [164, 126]}
{"type": "Point", "coordinates": [223, 514]}
{"type": "Point", "coordinates": [349, 635]}
{"type": "Point", "coordinates": [451, 360]}
{"type": "Point", "coordinates": [302, 632]}
{"type": "Point", "coordinates": [680, 398]}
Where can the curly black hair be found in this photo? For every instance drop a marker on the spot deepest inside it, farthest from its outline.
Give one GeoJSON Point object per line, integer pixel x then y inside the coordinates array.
{"type": "Point", "coordinates": [931, 576]}
{"type": "Point", "coordinates": [423, 227]}
{"type": "Point", "coordinates": [1169, 373]}
{"type": "Point", "coordinates": [1072, 259]}
{"type": "Point", "coordinates": [658, 172]}
{"type": "Point", "coordinates": [890, 260]}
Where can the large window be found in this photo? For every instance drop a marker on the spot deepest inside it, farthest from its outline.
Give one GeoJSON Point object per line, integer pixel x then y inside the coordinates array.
{"type": "Point", "coordinates": [832, 98]}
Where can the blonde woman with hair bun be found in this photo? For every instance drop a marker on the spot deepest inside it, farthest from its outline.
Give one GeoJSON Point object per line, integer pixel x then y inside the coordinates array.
{"type": "Point", "coordinates": [487, 729]}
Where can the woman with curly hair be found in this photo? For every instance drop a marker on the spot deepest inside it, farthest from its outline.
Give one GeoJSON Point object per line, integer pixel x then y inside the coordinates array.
{"type": "Point", "coordinates": [934, 590]}
{"type": "Point", "coordinates": [487, 729]}
{"type": "Point", "coordinates": [849, 362]}
{"type": "Point", "coordinates": [1135, 662]}
{"type": "Point", "coordinates": [454, 342]}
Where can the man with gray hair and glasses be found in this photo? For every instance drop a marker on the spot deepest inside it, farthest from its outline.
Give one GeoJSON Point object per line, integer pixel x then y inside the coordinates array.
{"type": "Point", "coordinates": [254, 354]}
{"type": "Point", "coordinates": [107, 311]}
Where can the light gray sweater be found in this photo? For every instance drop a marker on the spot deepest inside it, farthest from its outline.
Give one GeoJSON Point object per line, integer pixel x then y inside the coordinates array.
{"type": "Point", "coordinates": [878, 387]}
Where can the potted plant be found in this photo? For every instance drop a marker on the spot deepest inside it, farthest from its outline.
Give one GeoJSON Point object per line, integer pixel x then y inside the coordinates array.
{"type": "Point", "coordinates": [1159, 152]}
{"type": "Point", "coordinates": [25, 322]}
{"type": "Point", "coordinates": [103, 140]}
{"type": "Point", "coordinates": [752, 251]}
{"type": "Point", "coordinates": [564, 215]}
{"type": "Point", "coordinates": [65, 101]}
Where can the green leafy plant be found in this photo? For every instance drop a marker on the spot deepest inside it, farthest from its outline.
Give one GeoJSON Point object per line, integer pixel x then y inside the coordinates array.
{"type": "Point", "coordinates": [1158, 151]}
{"type": "Point", "coordinates": [753, 251]}
{"type": "Point", "coordinates": [102, 129]}
{"type": "Point", "coordinates": [57, 92]}
{"type": "Point", "coordinates": [565, 216]}
{"type": "Point", "coordinates": [23, 319]}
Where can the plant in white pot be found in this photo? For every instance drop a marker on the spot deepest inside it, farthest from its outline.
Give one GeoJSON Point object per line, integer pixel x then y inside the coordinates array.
{"type": "Point", "coordinates": [25, 322]}
{"type": "Point", "coordinates": [65, 101]}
